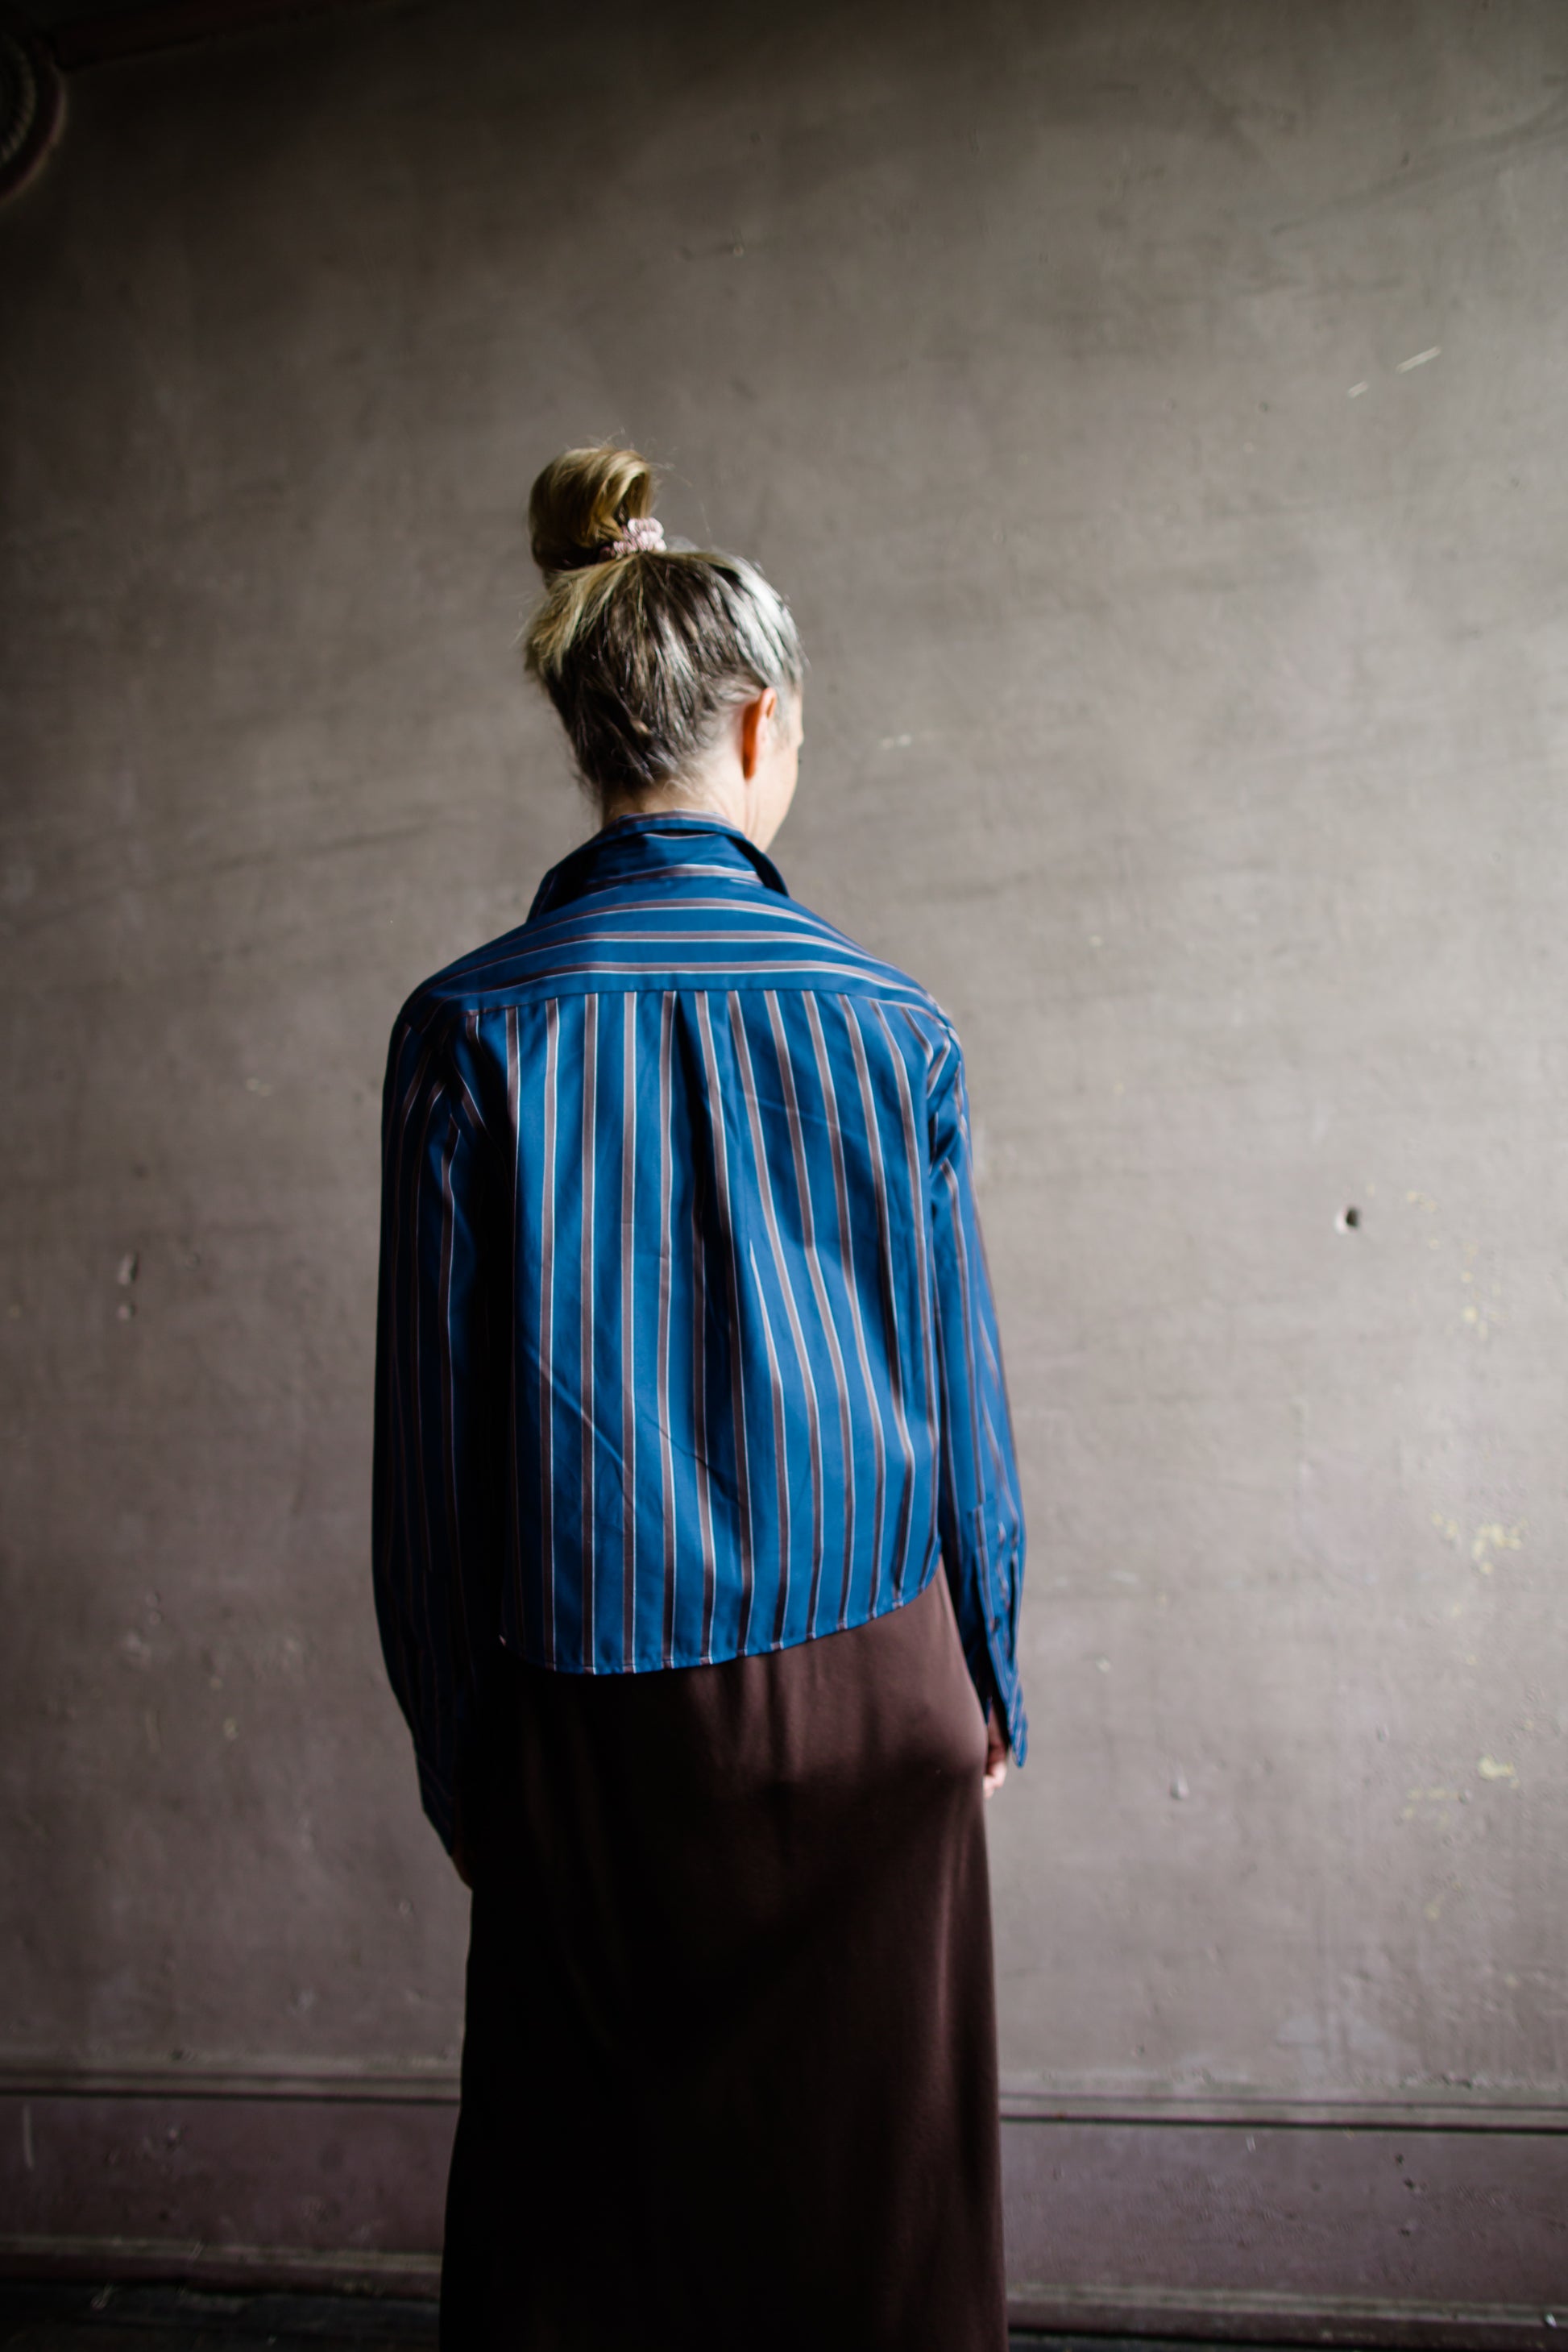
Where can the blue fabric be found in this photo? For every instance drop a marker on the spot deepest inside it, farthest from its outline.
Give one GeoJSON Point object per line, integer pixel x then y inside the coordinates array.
{"type": "Point", "coordinates": [687, 1347]}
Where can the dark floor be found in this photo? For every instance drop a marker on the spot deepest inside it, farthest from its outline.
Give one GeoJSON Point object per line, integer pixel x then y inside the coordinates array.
{"type": "Point", "coordinates": [57, 2317]}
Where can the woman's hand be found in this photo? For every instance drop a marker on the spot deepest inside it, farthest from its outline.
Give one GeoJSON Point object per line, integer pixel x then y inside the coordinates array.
{"type": "Point", "coordinates": [995, 1751]}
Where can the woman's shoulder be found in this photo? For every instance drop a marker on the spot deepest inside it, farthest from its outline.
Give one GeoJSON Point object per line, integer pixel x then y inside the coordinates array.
{"type": "Point", "coordinates": [881, 976]}
{"type": "Point", "coordinates": [602, 945]}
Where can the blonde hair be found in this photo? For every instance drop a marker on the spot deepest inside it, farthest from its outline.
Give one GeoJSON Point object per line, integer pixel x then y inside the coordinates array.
{"type": "Point", "coordinates": [642, 653]}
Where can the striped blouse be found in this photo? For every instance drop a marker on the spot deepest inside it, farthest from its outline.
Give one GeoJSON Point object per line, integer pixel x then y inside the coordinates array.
{"type": "Point", "coordinates": [687, 1347]}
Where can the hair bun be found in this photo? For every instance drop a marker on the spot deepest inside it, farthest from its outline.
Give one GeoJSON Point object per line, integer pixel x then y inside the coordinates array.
{"type": "Point", "coordinates": [582, 501]}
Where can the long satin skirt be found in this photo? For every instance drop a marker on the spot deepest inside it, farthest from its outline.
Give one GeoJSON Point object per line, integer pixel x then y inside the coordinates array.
{"type": "Point", "coordinates": [730, 2073]}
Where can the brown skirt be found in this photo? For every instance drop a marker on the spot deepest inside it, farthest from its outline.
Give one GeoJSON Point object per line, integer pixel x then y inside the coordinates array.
{"type": "Point", "coordinates": [730, 2073]}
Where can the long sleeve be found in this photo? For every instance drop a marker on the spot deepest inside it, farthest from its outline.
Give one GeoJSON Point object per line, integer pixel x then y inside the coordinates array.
{"type": "Point", "coordinates": [436, 1459]}
{"type": "Point", "coordinates": [979, 1507]}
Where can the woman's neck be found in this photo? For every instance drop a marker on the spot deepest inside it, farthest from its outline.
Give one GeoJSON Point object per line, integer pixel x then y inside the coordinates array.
{"type": "Point", "coordinates": [704, 795]}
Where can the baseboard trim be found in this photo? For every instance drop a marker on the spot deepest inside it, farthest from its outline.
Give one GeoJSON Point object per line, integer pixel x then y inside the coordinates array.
{"type": "Point", "coordinates": [435, 2083]}
{"type": "Point", "coordinates": [1268, 2315]}
{"type": "Point", "coordinates": [330, 2270]}
{"type": "Point", "coordinates": [1482, 2113]}
{"type": "Point", "coordinates": [325, 2080]}
{"type": "Point", "coordinates": [1098, 2309]}
{"type": "Point", "coordinates": [1285, 2222]}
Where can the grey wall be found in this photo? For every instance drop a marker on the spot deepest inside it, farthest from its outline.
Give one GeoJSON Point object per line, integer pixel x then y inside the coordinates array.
{"type": "Point", "coordinates": [1154, 413]}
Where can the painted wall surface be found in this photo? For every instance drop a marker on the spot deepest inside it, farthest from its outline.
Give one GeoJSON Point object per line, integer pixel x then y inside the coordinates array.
{"type": "Point", "coordinates": [1153, 409]}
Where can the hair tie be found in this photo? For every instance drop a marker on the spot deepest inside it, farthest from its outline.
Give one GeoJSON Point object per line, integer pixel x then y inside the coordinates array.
{"type": "Point", "coordinates": [642, 536]}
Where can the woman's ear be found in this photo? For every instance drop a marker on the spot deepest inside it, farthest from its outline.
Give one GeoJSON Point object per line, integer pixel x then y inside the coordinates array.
{"type": "Point", "coordinates": [756, 717]}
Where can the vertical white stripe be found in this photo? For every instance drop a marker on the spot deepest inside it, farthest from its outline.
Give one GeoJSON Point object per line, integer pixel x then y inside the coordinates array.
{"type": "Point", "coordinates": [629, 1331]}
{"type": "Point", "coordinates": [920, 1213]}
{"type": "Point", "coordinates": [960, 1253]}
{"type": "Point", "coordinates": [846, 1253]}
{"type": "Point", "coordinates": [456, 1597]}
{"type": "Point", "coordinates": [585, 1339]}
{"type": "Point", "coordinates": [736, 1336]}
{"type": "Point", "coordinates": [819, 1291]}
{"type": "Point", "coordinates": [780, 1265]}
{"type": "Point", "coordinates": [514, 1214]}
{"type": "Point", "coordinates": [700, 1426]}
{"type": "Point", "coordinates": [666, 1246]}
{"type": "Point", "coordinates": [781, 1455]}
{"type": "Point", "coordinates": [887, 1285]}
{"type": "Point", "coordinates": [547, 1331]}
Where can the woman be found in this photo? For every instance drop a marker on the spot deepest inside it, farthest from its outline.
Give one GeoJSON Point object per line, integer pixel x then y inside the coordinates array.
{"type": "Point", "coordinates": [698, 1542]}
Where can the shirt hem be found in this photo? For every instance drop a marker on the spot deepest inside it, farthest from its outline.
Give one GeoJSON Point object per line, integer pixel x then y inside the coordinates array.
{"type": "Point", "coordinates": [681, 1660]}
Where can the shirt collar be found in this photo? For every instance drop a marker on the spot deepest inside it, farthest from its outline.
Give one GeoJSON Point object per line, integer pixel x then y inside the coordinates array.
{"type": "Point", "coordinates": [639, 848]}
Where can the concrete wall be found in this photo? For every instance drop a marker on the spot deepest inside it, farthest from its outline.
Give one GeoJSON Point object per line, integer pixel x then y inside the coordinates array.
{"type": "Point", "coordinates": [1154, 413]}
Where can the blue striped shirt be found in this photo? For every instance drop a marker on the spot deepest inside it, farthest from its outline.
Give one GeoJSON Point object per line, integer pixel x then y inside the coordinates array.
{"type": "Point", "coordinates": [687, 1347]}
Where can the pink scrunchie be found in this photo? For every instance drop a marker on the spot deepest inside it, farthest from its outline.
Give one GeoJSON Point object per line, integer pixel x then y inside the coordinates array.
{"type": "Point", "coordinates": [643, 536]}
